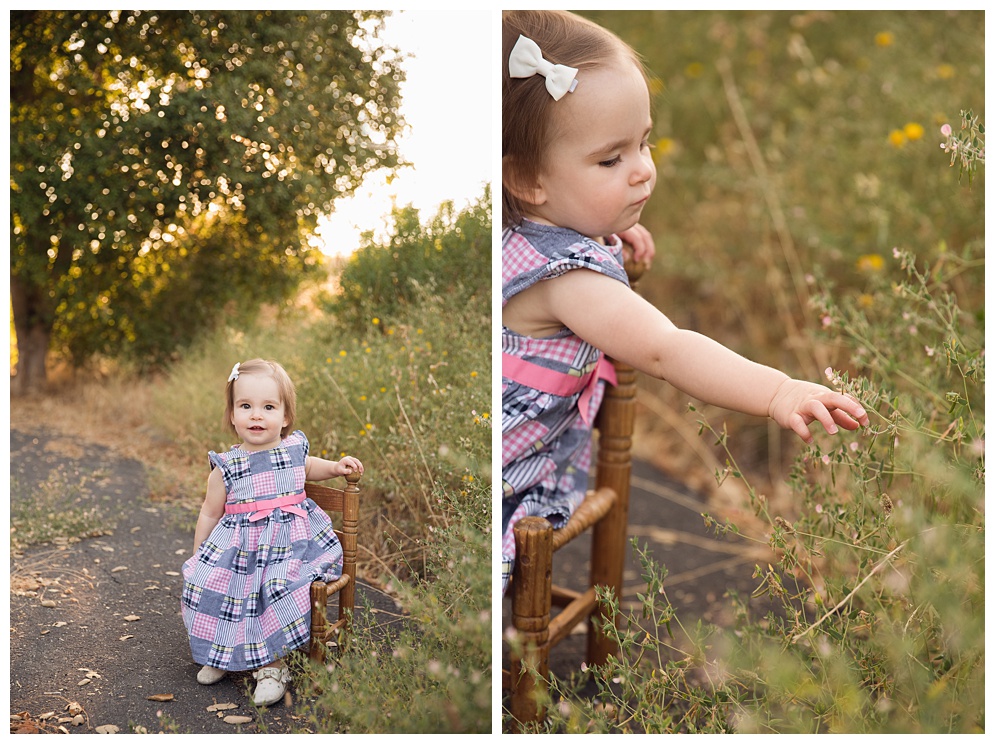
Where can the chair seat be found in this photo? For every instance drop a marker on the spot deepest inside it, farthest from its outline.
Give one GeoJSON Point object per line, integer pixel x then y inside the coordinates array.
{"type": "Point", "coordinates": [592, 509]}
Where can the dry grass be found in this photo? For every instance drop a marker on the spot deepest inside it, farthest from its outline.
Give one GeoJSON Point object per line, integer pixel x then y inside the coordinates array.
{"type": "Point", "coordinates": [111, 411]}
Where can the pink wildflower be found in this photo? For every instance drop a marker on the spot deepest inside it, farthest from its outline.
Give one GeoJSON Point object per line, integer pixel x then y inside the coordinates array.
{"type": "Point", "coordinates": [946, 131]}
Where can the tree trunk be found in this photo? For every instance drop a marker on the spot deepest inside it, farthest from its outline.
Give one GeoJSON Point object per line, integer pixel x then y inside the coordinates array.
{"type": "Point", "coordinates": [33, 331]}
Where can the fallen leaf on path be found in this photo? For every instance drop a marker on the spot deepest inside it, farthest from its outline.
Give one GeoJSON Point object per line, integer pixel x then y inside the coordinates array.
{"type": "Point", "coordinates": [92, 675]}
{"type": "Point", "coordinates": [125, 637]}
{"type": "Point", "coordinates": [116, 569]}
{"type": "Point", "coordinates": [74, 708]}
{"type": "Point", "coordinates": [83, 682]}
{"type": "Point", "coordinates": [162, 697]}
{"type": "Point", "coordinates": [110, 728]}
{"type": "Point", "coordinates": [172, 573]}
{"type": "Point", "coordinates": [132, 618]}
{"type": "Point", "coordinates": [48, 603]}
{"type": "Point", "coordinates": [238, 719]}
{"type": "Point", "coordinates": [221, 706]}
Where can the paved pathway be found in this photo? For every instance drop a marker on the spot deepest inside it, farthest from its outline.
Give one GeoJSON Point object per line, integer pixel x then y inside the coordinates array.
{"type": "Point", "coordinates": [97, 622]}
{"type": "Point", "coordinates": [665, 517]}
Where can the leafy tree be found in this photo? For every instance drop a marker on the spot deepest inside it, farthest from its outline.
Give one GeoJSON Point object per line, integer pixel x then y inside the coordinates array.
{"type": "Point", "coordinates": [450, 254]}
{"type": "Point", "coordinates": [167, 166]}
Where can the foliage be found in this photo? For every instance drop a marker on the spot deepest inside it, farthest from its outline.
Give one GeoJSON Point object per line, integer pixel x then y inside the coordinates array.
{"type": "Point", "coordinates": [877, 570]}
{"type": "Point", "coordinates": [451, 253]}
{"type": "Point", "coordinates": [791, 146]}
{"type": "Point", "coordinates": [434, 674]}
{"type": "Point", "coordinates": [165, 164]}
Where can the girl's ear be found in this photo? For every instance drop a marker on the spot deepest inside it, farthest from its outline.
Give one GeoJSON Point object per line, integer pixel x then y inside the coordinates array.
{"type": "Point", "coordinates": [519, 185]}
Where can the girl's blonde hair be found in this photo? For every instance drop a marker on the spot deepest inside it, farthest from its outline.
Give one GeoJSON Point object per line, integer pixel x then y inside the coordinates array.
{"type": "Point", "coordinates": [527, 108]}
{"type": "Point", "coordinates": [288, 394]}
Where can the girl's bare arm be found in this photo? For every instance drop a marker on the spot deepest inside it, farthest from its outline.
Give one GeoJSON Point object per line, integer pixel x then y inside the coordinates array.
{"type": "Point", "coordinates": [212, 509]}
{"type": "Point", "coordinates": [607, 314]}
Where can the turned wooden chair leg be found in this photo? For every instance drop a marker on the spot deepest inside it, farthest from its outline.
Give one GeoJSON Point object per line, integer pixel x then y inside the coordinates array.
{"type": "Point", "coordinates": [532, 588]}
{"type": "Point", "coordinates": [616, 422]}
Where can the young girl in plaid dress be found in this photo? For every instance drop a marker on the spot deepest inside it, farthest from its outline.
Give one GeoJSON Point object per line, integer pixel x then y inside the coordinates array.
{"type": "Point", "coordinates": [577, 173]}
{"type": "Point", "coordinates": [259, 542]}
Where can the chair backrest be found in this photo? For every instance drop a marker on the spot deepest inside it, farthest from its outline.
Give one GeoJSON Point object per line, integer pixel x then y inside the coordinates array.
{"type": "Point", "coordinates": [344, 501]}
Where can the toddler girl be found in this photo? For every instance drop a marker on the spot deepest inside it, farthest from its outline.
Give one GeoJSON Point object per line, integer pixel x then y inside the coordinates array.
{"type": "Point", "coordinates": [576, 174]}
{"type": "Point", "coordinates": [259, 542]}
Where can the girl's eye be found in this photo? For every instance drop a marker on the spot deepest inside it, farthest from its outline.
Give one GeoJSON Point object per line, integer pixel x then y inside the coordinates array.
{"type": "Point", "coordinates": [611, 163]}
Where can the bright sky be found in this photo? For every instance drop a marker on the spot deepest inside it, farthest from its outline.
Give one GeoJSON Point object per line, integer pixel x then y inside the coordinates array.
{"type": "Point", "coordinates": [447, 103]}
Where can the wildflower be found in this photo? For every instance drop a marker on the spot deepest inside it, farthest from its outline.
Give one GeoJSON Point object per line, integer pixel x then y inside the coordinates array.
{"type": "Point", "coordinates": [895, 252]}
{"type": "Point", "coordinates": [913, 131]}
{"type": "Point", "coordinates": [825, 459]}
{"type": "Point", "coordinates": [929, 350]}
{"type": "Point", "coordinates": [884, 38]}
{"type": "Point", "coordinates": [694, 69]}
{"type": "Point", "coordinates": [664, 147]}
{"type": "Point", "coordinates": [369, 427]}
{"type": "Point", "coordinates": [328, 360]}
{"type": "Point", "coordinates": [826, 321]}
{"type": "Point", "coordinates": [896, 138]}
{"type": "Point", "coordinates": [945, 71]}
{"type": "Point", "coordinates": [946, 130]}
{"type": "Point", "coordinates": [913, 330]}
{"type": "Point", "coordinates": [865, 300]}
{"type": "Point", "coordinates": [342, 353]}
{"type": "Point", "coordinates": [473, 374]}
{"type": "Point", "coordinates": [818, 508]}
{"type": "Point", "coordinates": [376, 321]}
{"type": "Point", "coordinates": [870, 262]}
{"type": "Point", "coordinates": [854, 446]}
{"type": "Point", "coordinates": [362, 397]}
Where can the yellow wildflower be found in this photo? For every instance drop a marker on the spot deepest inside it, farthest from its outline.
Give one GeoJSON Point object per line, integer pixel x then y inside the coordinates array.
{"type": "Point", "coordinates": [913, 131]}
{"type": "Point", "coordinates": [884, 38]}
{"type": "Point", "coordinates": [865, 300]}
{"type": "Point", "coordinates": [376, 321]}
{"type": "Point", "coordinates": [694, 69]}
{"type": "Point", "coordinates": [342, 353]}
{"type": "Point", "coordinates": [897, 138]}
{"type": "Point", "coordinates": [473, 374]}
{"type": "Point", "coordinates": [870, 262]}
{"type": "Point", "coordinates": [945, 71]}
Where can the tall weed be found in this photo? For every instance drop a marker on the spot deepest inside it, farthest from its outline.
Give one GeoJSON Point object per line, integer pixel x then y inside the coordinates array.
{"type": "Point", "coordinates": [878, 582]}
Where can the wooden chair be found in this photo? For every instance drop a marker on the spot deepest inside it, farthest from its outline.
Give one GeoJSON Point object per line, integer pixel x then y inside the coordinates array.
{"type": "Point", "coordinates": [605, 510]}
{"type": "Point", "coordinates": [345, 502]}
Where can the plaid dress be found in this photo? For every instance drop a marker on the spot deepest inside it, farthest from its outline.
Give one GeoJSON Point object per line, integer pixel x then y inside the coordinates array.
{"type": "Point", "coordinates": [546, 438]}
{"type": "Point", "coordinates": [246, 591]}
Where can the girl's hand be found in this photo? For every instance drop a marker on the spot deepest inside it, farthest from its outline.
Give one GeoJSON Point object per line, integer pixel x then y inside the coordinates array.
{"type": "Point", "coordinates": [349, 465]}
{"type": "Point", "coordinates": [643, 248]}
{"type": "Point", "coordinates": [796, 404]}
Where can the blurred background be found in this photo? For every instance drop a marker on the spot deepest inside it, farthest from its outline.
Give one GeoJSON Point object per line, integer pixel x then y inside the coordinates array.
{"type": "Point", "coordinates": [795, 151]}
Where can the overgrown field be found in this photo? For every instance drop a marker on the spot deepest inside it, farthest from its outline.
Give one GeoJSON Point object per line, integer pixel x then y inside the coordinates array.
{"type": "Point", "coordinates": [820, 207]}
{"type": "Point", "coordinates": [397, 375]}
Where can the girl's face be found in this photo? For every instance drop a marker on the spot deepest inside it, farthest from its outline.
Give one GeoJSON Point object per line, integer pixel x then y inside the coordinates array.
{"type": "Point", "coordinates": [599, 172]}
{"type": "Point", "coordinates": [258, 414]}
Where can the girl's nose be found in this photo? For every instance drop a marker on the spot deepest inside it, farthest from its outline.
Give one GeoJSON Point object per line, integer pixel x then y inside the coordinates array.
{"type": "Point", "coordinates": [643, 170]}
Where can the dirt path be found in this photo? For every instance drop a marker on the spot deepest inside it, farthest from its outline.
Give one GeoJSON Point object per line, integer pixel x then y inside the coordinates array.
{"type": "Point", "coordinates": [96, 622]}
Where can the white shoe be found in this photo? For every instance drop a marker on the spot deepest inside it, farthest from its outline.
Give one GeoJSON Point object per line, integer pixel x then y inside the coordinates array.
{"type": "Point", "coordinates": [208, 675]}
{"type": "Point", "coordinates": [271, 684]}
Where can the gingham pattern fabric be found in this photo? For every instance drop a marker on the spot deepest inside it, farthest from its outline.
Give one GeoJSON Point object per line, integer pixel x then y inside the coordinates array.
{"type": "Point", "coordinates": [545, 445]}
{"type": "Point", "coordinates": [246, 592]}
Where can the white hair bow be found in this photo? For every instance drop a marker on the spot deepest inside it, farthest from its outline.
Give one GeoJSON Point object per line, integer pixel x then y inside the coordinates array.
{"type": "Point", "coordinates": [526, 60]}
{"type": "Point", "coordinates": [234, 372]}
